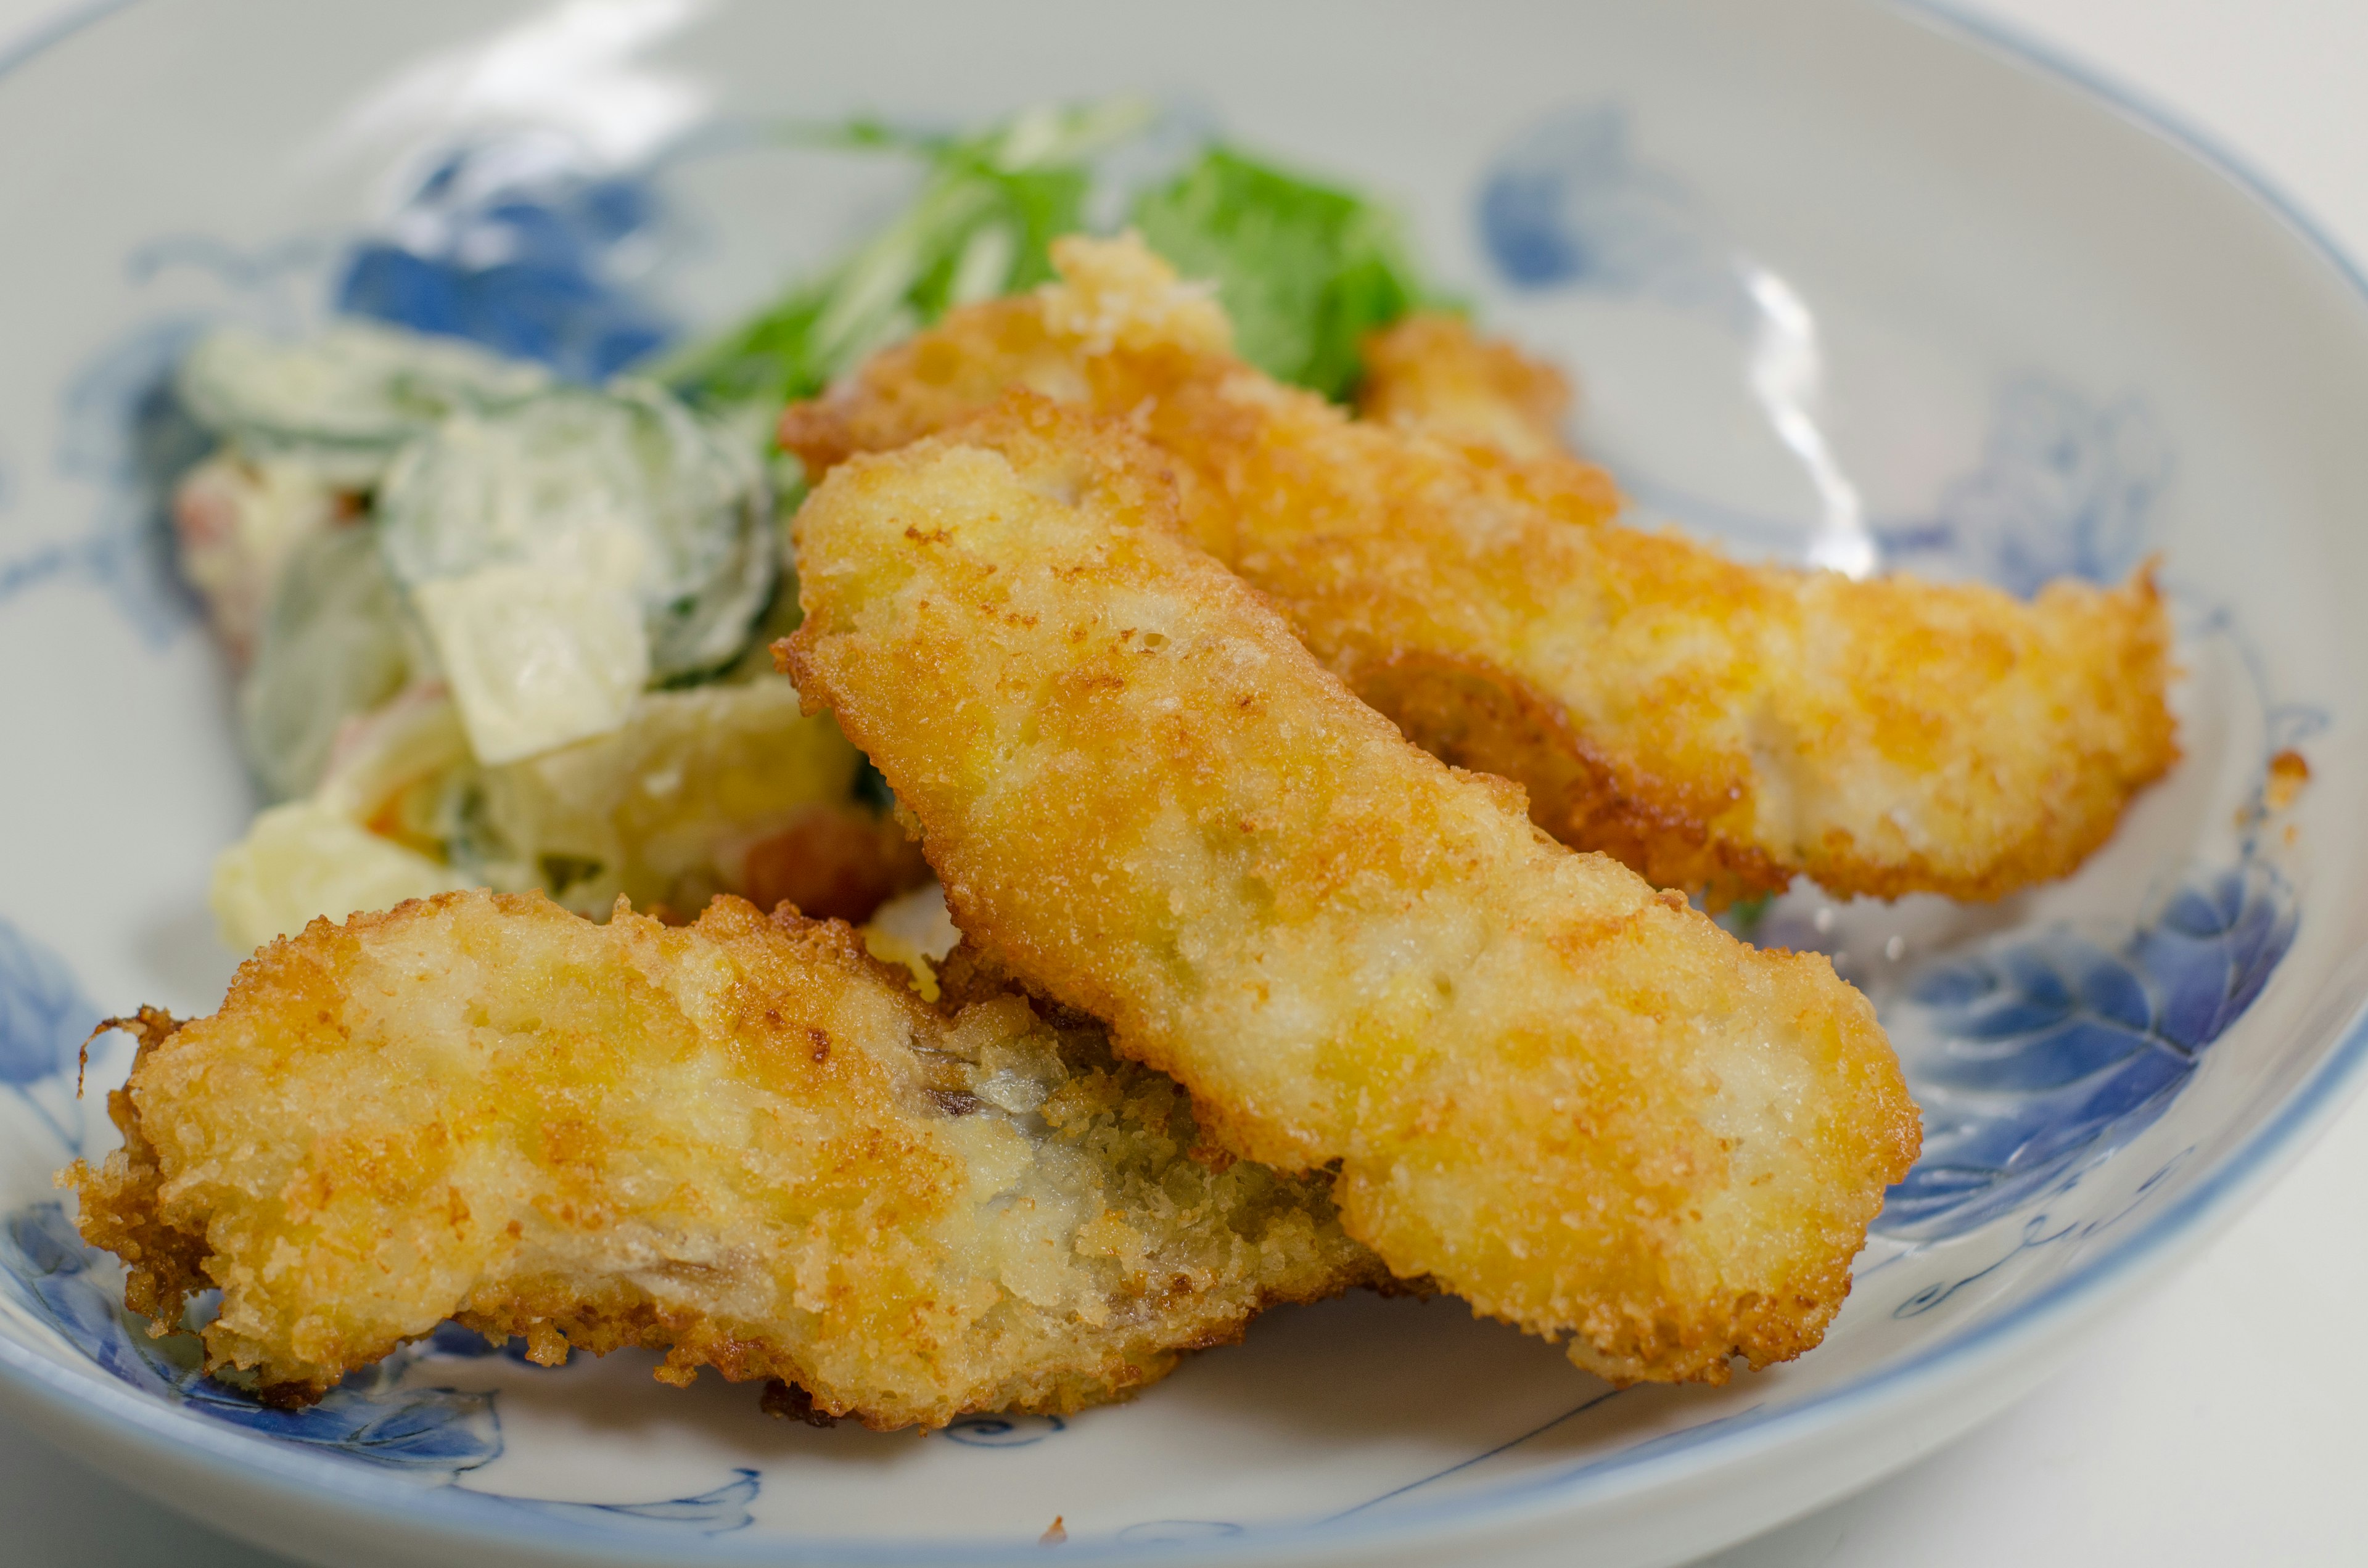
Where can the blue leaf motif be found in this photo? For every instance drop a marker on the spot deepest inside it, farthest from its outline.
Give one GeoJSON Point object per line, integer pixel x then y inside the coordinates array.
{"type": "Point", "coordinates": [371, 1417]}
{"type": "Point", "coordinates": [44, 1017]}
{"type": "Point", "coordinates": [2213, 952]}
{"type": "Point", "coordinates": [45, 1265]}
{"type": "Point", "coordinates": [2054, 1049]}
{"type": "Point", "coordinates": [2063, 488]}
{"type": "Point", "coordinates": [506, 247]}
{"type": "Point", "coordinates": [123, 432]}
{"type": "Point", "coordinates": [434, 1434]}
{"type": "Point", "coordinates": [1571, 205]}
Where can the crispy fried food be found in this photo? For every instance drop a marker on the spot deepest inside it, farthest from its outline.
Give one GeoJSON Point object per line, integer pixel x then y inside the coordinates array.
{"type": "Point", "coordinates": [743, 1142]}
{"type": "Point", "coordinates": [1718, 727]}
{"type": "Point", "coordinates": [1431, 373]}
{"type": "Point", "coordinates": [1574, 1101]}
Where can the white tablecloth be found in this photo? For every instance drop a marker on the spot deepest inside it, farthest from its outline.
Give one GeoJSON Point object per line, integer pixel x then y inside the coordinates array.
{"type": "Point", "coordinates": [2216, 1424]}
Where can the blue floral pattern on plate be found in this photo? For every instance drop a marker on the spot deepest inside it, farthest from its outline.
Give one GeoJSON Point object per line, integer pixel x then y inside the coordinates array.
{"type": "Point", "coordinates": [1570, 205]}
{"type": "Point", "coordinates": [2062, 490]}
{"type": "Point", "coordinates": [44, 1018]}
{"type": "Point", "coordinates": [506, 245]}
{"type": "Point", "coordinates": [2056, 1047]}
{"type": "Point", "coordinates": [371, 1417]}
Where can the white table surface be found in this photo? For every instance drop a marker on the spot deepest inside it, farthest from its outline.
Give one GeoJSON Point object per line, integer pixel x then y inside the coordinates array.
{"type": "Point", "coordinates": [2217, 1423]}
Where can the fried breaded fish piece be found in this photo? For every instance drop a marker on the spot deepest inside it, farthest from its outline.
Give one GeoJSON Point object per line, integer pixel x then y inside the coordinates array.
{"type": "Point", "coordinates": [742, 1143]}
{"type": "Point", "coordinates": [1572, 1100]}
{"type": "Point", "coordinates": [1431, 372]}
{"type": "Point", "coordinates": [1718, 727]}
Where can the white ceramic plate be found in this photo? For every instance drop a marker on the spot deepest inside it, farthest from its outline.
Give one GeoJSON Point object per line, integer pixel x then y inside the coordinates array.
{"type": "Point", "coordinates": [1839, 280]}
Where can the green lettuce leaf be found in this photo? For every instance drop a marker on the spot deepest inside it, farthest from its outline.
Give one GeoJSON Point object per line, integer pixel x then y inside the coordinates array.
{"type": "Point", "coordinates": [988, 207]}
{"type": "Point", "coordinates": [1305, 269]}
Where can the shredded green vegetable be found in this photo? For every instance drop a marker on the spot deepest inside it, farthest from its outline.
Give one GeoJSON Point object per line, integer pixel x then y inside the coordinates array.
{"type": "Point", "coordinates": [990, 206]}
{"type": "Point", "coordinates": [1305, 269]}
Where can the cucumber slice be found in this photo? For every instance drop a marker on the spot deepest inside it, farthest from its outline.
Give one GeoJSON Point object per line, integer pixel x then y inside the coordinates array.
{"type": "Point", "coordinates": [344, 400]}
{"type": "Point", "coordinates": [335, 643]}
{"type": "Point", "coordinates": [622, 485]}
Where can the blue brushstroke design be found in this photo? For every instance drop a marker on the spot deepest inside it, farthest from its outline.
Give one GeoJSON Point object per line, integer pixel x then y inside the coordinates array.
{"type": "Point", "coordinates": [522, 261]}
{"type": "Point", "coordinates": [125, 434]}
{"type": "Point", "coordinates": [2063, 488]}
{"type": "Point", "coordinates": [1571, 205]}
{"type": "Point", "coordinates": [1004, 1431]}
{"type": "Point", "coordinates": [44, 1018]}
{"type": "Point", "coordinates": [432, 1435]}
{"type": "Point", "coordinates": [717, 1512]}
{"type": "Point", "coordinates": [2056, 1047]}
{"type": "Point", "coordinates": [2039, 1232]}
{"type": "Point", "coordinates": [2063, 484]}
{"type": "Point", "coordinates": [370, 1418]}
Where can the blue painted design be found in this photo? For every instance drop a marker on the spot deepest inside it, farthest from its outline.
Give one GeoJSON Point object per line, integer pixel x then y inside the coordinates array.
{"type": "Point", "coordinates": [1569, 205]}
{"type": "Point", "coordinates": [2055, 1048]}
{"type": "Point", "coordinates": [2039, 1232]}
{"type": "Point", "coordinates": [369, 1418]}
{"type": "Point", "coordinates": [467, 1345]}
{"type": "Point", "coordinates": [435, 1434]}
{"type": "Point", "coordinates": [123, 432]}
{"type": "Point", "coordinates": [717, 1512]}
{"type": "Point", "coordinates": [44, 1018]}
{"type": "Point", "coordinates": [2062, 489]}
{"type": "Point", "coordinates": [504, 248]}
{"type": "Point", "coordinates": [1004, 1431]}
{"type": "Point", "coordinates": [1396, 1492]}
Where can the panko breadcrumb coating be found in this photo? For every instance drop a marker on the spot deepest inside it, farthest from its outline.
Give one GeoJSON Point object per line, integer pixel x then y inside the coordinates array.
{"type": "Point", "coordinates": [1568, 1098]}
{"type": "Point", "coordinates": [743, 1142]}
{"type": "Point", "coordinates": [1720, 728]}
{"type": "Point", "coordinates": [1431, 372]}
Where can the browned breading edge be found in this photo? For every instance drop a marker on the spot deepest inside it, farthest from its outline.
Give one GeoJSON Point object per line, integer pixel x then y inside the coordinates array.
{"type": "Point", "coordinates": [274, 1239]}
{"type": "Point", "coordinates": [1570, 1100]}
{"type": "Point", "coordinates": [1720, 727]}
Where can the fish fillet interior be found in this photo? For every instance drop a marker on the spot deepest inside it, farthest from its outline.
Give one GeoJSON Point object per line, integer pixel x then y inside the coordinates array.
{"type": "Point", "coordinates": [1722, 728]}
{"type": "Point", "coordinates": [741, 1143]}
{"type": "Point", "coordinates": [1573, 1100]}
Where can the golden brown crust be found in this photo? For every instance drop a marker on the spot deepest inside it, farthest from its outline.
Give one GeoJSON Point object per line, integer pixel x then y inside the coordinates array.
{"type": "Point", "coordinates": [1572, 1100]}
{"type": "Point", "coordinates": [1431, 372]}
{"type": "Point", "coordinates": [1719, 727]}
{"type": "Point", "coordinates": [744, 1143]}
{"type": "Point", "coordinates": [163, 1265]}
